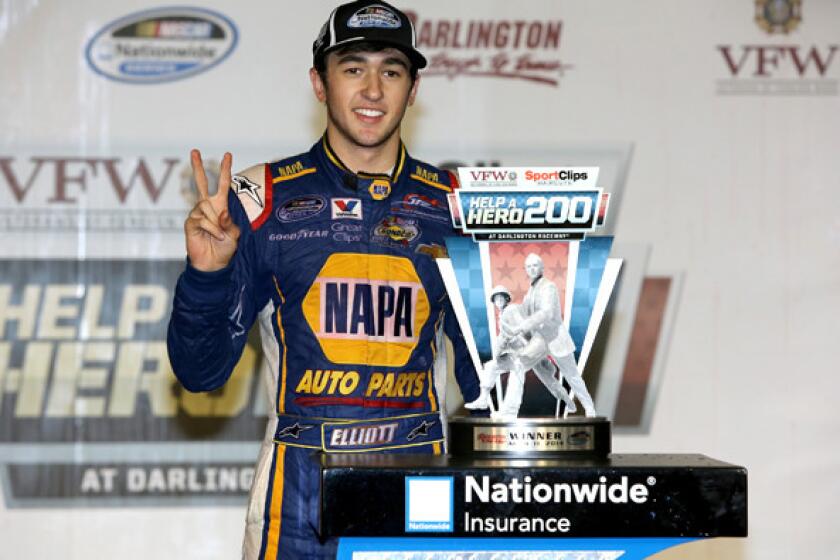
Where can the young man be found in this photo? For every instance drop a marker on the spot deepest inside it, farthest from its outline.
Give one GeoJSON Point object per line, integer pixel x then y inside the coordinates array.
{"type": "Point", "coordinates": [333, 251]}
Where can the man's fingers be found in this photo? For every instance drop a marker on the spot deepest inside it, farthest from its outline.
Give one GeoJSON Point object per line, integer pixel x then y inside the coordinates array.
{"type": "Point", "coordinates": [198, 174]}
{"type": "Point", "coordinates": [212, 228]}
{"type": "Point", "coordinates": [224, 177]}
{"type": "Point", "coordinates": [204, 211]}
{"type": "Point", "coordinates": [205, 207]}
{"type": "Point", "coordinates": [228, 226]}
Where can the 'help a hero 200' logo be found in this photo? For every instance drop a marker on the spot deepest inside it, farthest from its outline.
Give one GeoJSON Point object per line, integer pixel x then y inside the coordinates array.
{"type": "Point", "coordinates": [527, 204]}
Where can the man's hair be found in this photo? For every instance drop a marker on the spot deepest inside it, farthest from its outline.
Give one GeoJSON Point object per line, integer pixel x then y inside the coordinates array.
{"type": "Point", "coordinates": [360, 47]}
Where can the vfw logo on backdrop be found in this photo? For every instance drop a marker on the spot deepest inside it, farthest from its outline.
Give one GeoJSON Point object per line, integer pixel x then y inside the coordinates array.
{"type": "Point", "coordinates": [783, 62]}
{"type": "Point", "coordinates": [63, 193]}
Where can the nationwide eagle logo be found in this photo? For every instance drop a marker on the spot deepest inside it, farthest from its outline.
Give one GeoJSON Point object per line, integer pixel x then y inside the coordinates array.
{"type": "Point", "coordinates": [778, 16]}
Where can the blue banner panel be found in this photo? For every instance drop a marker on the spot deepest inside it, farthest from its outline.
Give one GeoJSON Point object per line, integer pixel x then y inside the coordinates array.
{"type": "Point", "coordinates": [359, 548]}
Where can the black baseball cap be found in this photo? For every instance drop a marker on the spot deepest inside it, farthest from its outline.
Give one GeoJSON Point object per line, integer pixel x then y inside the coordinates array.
{"type": "Point", "coordinates": [376, 22]}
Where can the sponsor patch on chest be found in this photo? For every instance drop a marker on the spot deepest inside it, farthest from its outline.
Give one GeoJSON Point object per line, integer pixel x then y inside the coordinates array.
{"type": "Point", "coordinates": [367, 309]}
{"type": "Point", "coordinates": [346, 208]}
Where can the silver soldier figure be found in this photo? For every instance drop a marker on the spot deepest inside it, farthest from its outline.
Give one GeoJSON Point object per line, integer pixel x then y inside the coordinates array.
{"type": "Point", "coordinates": [516, 353]}
{"type": "Point", "coordinates": [544, 321]}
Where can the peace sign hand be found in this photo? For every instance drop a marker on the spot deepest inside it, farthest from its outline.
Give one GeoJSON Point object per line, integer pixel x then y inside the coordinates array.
{"type": "Point", "coordinates": [210, 233]}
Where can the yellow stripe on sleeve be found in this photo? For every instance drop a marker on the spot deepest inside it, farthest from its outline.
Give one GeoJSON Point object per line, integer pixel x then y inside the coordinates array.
{"type": "Point", "coordinates": [293, 175]}
{"type": "Point", "coordinates": [431, 183]}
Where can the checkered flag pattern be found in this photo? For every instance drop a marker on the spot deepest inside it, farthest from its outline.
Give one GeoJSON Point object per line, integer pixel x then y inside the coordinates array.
{"type": "Point", "coordinates": [592, 259]}
{"type": "Point", "coordinates": [466, 261]}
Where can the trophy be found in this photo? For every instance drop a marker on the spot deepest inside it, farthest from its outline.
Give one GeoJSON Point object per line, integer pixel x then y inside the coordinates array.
{"type": "Point", "coordinates": [529, 282]}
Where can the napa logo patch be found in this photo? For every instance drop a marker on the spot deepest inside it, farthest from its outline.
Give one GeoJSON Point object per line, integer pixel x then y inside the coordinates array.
{"type": "Point", "coordinates": [379, 189]}
{"type": "Point", "coordinates": [161, 45]}
{"type": "Point", "coordinates": [346, 208]}
{"type": "Point", "coordinates": [374, 16]}
{"type": "Point", "coordinates": [367, 305]}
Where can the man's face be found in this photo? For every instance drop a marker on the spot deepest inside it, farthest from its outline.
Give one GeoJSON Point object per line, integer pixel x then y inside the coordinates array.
{"type": "Point", "coordinates": [366, 94]}
{"type": "Point", "coordinates": [500, 301]}
{"type": "Point", "coordinates": [533, 267]}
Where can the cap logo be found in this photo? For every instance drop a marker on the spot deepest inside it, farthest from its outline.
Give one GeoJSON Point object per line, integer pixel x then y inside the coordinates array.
{"type": "Point", "coordinates": [374, 16]}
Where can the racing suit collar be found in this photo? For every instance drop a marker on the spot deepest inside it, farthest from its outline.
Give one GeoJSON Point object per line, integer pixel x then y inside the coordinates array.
{"type": "Point", "coordinates": [361, 179]}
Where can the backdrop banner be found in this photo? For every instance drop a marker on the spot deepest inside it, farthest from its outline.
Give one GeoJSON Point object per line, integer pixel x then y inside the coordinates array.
{"type": "Point", "coordinates": [715, 129]}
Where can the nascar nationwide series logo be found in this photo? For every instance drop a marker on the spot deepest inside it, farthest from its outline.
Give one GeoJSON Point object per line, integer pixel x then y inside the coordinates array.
{"type": "Point", "coordinates": [779, 68]}
{"type": "Point", "coordinates": [528, 204]}
{"type": "Point", "coordinates": [161, 45]}
{"type": "Point", "coordinates": [517, 49]}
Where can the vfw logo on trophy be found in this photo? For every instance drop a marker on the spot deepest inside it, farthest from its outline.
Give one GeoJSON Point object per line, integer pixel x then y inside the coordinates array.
{"type": "Point", "coordinates": [529, 282]}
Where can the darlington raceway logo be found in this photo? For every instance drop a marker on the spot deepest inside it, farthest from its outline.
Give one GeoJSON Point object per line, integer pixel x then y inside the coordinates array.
{"type": "Point", "coordinates": [497, 48]}
{"type": "Point", "coordinates": [780, 67]}
{"type": "Point", "coordinates": [161, 45]}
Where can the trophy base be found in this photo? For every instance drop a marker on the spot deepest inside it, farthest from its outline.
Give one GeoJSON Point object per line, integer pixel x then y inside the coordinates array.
{"type": "Point", "coordinates": [677, 496]}
{"type": "Point", "coordinates": [531, 438]}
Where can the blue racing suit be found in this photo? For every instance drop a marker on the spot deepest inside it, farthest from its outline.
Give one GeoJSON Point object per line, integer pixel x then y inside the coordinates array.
{"type": "Point", "coordinates": [339, 269]}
